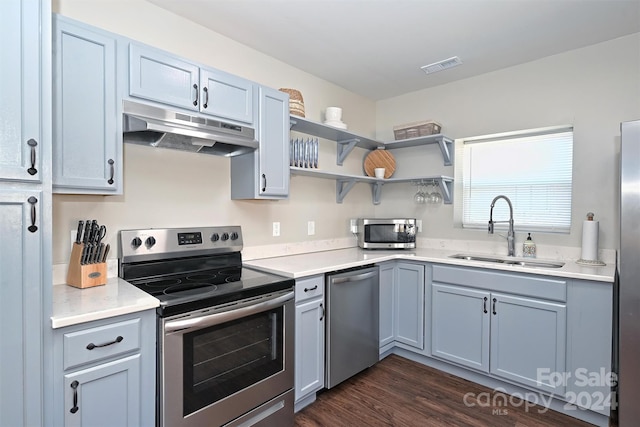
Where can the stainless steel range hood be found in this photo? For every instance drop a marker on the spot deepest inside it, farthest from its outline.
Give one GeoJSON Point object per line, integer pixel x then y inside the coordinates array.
{"type": "Point", "coordinates": [148, 125]}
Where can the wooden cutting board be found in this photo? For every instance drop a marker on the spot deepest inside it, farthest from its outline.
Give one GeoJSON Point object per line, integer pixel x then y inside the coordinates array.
{"type": "Point", "coordinates": [380, 159]}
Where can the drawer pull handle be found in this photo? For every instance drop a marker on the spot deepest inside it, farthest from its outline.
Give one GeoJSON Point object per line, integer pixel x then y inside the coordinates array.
{"type": "Point", "coordinates": [33, 227]}
{"type": "Point", "coordinates": [494, 306]}
{"type": "Point", "coordinates": [322, 308]}
{"type": "Point", "coordinates": [206, 97]}
{"type": "Point", "coordinates": [91, 346]}
{"type": "Point", "coordinates": [195, 101]}
{"type": "Point", "coordinates": [264, 179]}
{"type": "Point", "coordinates": [74, 386]}
{"type": "Point", "coordinates": [311, 289]}
{"type": "Point", "coordinates": [485, 305]}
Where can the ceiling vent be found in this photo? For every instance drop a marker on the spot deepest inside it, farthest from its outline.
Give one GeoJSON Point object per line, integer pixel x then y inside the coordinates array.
{"type": "Point", "coordinates": [441, 65]}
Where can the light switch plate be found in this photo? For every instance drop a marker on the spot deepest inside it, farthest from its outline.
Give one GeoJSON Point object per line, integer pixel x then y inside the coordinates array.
{"type": "Point", "coordinates": [311, 228]}
{"type": "Point", "coordinates": [419, 225]}
{"type": "Point", "coordinates": [276, 229]}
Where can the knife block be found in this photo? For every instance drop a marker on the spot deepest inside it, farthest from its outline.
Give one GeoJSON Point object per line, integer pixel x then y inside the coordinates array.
{"type": "Point", "coordinates": [87, 275]}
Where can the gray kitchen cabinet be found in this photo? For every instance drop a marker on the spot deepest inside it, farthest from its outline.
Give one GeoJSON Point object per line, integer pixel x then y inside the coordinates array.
{"type": "Point", "coordinates": [264, 173]}
{"type": "Point", "coordinates": [20, 96]}
{"type": "Point", "coordinates": [589, 345]}
{"type": "Point", "coordinates": [87, 114]}
{"type": "Point", "coordinates": [387, 305]}
{"type": "Point", "coordinates": [25, 208]}
{"type": "Point", "coordinates": [105, 372]}
{"type": "Point", "coordinates": [508, 335]}
{"type": "Point", "coordinates": [460, 326]}
{"type": "Point", "coordinates": [161, 77]}
{"type": "Point", "coordinates": [402, 305]}
{"type": "Point", "coordinates": [309, 339]}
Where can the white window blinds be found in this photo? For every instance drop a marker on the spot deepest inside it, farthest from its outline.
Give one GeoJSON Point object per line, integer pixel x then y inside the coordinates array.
{"type": "Point", "coordinates": [532, 168]}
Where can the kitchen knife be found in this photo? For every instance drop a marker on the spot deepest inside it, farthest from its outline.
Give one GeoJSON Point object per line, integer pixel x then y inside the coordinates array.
{"type": "Point", "coordinates": [79, 234]}
{"type": "Point", "coordinates": [99, 253]}
{"type": "Point", "coordinates": [87, 231]}
{"type": "Point", "coordinates": [83, 256]}
{"type": "Point", "coordinates": [106, 252]}
{"type": "Point", "coordinates": [93, 231]}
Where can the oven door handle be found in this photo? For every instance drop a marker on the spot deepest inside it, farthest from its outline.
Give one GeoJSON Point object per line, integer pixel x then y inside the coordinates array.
{"type": "Point", "coordinates": [226, 316]}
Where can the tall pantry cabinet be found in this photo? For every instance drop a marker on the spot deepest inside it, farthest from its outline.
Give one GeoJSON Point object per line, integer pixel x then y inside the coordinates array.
{"type": "Point", "coordinates": [25, 207]}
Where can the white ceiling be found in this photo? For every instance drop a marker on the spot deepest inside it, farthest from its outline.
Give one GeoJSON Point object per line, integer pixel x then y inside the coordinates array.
{"type": "Point", "coordinates": [376, 47]}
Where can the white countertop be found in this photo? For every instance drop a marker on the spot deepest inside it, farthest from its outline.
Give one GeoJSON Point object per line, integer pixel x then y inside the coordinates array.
{"type": "Point", "coordinates": [310, 264]}
{"type": "Point", "coordinates": [74, 305]}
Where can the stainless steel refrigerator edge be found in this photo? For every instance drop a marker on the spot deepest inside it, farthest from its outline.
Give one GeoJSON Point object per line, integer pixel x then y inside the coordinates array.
{"type": "Point", "coordinates": [352, 323]}
{"type": "Point", "coordinates": [629, 276]}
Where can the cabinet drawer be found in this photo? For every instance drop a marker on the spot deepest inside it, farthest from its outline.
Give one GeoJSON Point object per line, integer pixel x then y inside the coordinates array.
{"type": "Point", "coordinates": [102, 342]}
{"type": "Point", "coordinates": [516, 283]}
{"type": "Point", "coordinates": [309, 287]}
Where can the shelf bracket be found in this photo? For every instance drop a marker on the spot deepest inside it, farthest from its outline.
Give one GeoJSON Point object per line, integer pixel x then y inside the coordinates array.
{"type": "Point", "coordinates": [292, 123]}
{"type": "Point", "coordinates": [376, 191]}
{"type": "Point", "coordinates": [446, 146]}
{"type": "Point", "coordinates": [342, 188]}
{"type": "Point", "coordinates": [446, 187]}
{"type": "Point", "coordinates": [344, 148]}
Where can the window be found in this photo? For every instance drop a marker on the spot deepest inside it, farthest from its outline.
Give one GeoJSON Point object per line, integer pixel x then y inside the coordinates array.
{"type": "Point", "coordinates": [532, 168]}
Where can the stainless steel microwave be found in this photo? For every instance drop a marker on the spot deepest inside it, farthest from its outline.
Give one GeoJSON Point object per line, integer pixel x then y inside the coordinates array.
{"type": "Point", "coordinates": [386, 233]}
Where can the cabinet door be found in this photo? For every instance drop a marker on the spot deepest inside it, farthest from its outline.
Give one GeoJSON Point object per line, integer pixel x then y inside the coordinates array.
{"type": "Point", "coordinates": [20, 123]}
{"type": "Point", "coordinates": [226, 96]}
{"type": "Point", "coordinates": [20, 307]}
{"type": "Point", "coordinates": [460, 326]}
{"type": "Point", "coordinates": [309, 362]}
{"type": "Point", "coordinates": [409, 299]}
{"type": "Point", "coordinates": [161, 77]}
{"type": "Point", "coordinates": [104, 395]}
{"type": "Point", "coordinates": [87, 152]}
{"type": "Point", "coordinates": [527, 336]}
{"type": "Point", "coordinates": [387, 303]}
{"type": "Point", "coordinates": [274, 142]}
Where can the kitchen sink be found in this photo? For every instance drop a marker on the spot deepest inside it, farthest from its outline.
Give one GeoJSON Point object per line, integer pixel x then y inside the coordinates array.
{"type": "Point", "coordinates": [508, 261]}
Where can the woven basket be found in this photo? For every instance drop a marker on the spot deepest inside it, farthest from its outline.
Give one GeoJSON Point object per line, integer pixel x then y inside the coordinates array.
{"type": "Point", "coordinates": [416, 129]}
{"type": "Point", "coordinates": [296, 103]}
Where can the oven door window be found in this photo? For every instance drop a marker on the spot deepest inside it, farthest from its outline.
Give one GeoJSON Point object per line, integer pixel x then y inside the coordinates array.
{"type": "Point", "coordinates": [224, 359]}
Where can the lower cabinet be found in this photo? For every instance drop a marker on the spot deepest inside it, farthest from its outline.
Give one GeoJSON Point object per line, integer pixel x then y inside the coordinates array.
{"type": "Point", "coordinates": [509, 336]}
{"type": "Point", "coordinates": [104, 372]}
{"type": "Point", "coordinates": [402, 306]}
{"type": "Point", "coordinates": [309, 339]}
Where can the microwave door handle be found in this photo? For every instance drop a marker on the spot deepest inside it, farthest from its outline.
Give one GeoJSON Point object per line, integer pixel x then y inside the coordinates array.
{"type": "Point", "coordinates": [186, 325]}
{"type": "Point", "coordinates": [356, 278]}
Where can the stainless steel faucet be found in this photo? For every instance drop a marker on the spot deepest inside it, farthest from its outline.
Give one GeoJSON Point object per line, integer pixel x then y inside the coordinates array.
{"type": "Point", "coordinates": [511, 241]}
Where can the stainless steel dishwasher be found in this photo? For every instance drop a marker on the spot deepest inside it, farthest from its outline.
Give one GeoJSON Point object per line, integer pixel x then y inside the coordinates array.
{"type": "Point", "coordinates": [352, 322]}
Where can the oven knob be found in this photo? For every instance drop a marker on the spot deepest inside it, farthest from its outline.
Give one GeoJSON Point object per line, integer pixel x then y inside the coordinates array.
{"type": "Point", "coordinates": [234, 236]}
{"type": "Point", "coordinates": [136, 243]}
{"type": "Point", "coordinates": [215, 237]}
{"type": "Point", "coordinates": [225, 237]}
{"type": "Point", "coordinates": [150, 242]}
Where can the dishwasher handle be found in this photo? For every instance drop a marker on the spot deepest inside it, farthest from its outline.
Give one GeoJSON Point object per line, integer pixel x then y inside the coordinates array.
{"type": "Point", "coordinates": [356, 278]}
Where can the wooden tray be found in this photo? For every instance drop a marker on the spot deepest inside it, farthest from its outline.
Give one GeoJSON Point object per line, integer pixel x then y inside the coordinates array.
{"type": "Point", "coordinates": [380, 159]}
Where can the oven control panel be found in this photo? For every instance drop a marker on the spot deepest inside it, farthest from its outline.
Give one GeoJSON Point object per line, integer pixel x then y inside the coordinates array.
{"type": "Point", "coordinates": [153, 243]}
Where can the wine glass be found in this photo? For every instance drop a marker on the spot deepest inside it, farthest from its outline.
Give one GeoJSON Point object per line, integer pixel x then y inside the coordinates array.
{"type": "Point", "coordinates": [420, 197]}
{"type": "Point", "coordinates": [435, 197]}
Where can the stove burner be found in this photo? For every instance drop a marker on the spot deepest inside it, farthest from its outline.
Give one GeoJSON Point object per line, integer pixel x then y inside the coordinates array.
{"type": "Point", "coordinates": [231, 271]}
{"type": "Point", "coordinates": [190, 289]}
{"type": "Point", "coordinates": [201, 277]}
{"type": "Point", "coordinates": [232, 278]}
{"type": "Point", "coordinates": [163, 283]}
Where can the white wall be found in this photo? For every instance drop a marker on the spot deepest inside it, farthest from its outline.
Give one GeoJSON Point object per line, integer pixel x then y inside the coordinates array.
{"type": "Point", "coordinates": [593, 88]}
{"type": "Point", "coordinates": [164, 188]}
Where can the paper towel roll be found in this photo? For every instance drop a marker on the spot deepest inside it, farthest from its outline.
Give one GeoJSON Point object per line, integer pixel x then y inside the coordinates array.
{"type": "Point", "coordinates": [590, 240]}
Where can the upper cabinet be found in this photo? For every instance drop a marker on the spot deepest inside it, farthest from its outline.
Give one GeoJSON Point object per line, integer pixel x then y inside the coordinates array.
{"type": "Point", "coordinates": [264, 174]}
{"type": "Point", "coordinates": [87, 112]}
{"type": "Point", "coordinates": [20, 98]}
{"type": "Point", "coordinates": [161, 77]}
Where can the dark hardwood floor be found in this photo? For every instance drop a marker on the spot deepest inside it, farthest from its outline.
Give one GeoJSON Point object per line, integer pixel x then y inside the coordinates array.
{"type": "Point", "coordinates": [400, 392]}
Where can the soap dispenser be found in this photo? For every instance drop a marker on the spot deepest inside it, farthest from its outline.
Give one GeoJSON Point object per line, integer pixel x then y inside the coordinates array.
{"type": "Point", "coordinates": [529, 248]}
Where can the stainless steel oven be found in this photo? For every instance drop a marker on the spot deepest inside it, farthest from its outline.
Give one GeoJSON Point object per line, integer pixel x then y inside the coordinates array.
{"type": "Point", "coordinates": [225, 333]}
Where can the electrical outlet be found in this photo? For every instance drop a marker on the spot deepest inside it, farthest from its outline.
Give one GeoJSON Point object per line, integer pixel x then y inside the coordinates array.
{"type": "Point", "coordinates": [353, 225]}
{"type": "Point", "coordinates": [311, 228]}
{"type": "Point", "coordinates": [419, 225]}
{"type": "Point", "coordinates": [276, 229]}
